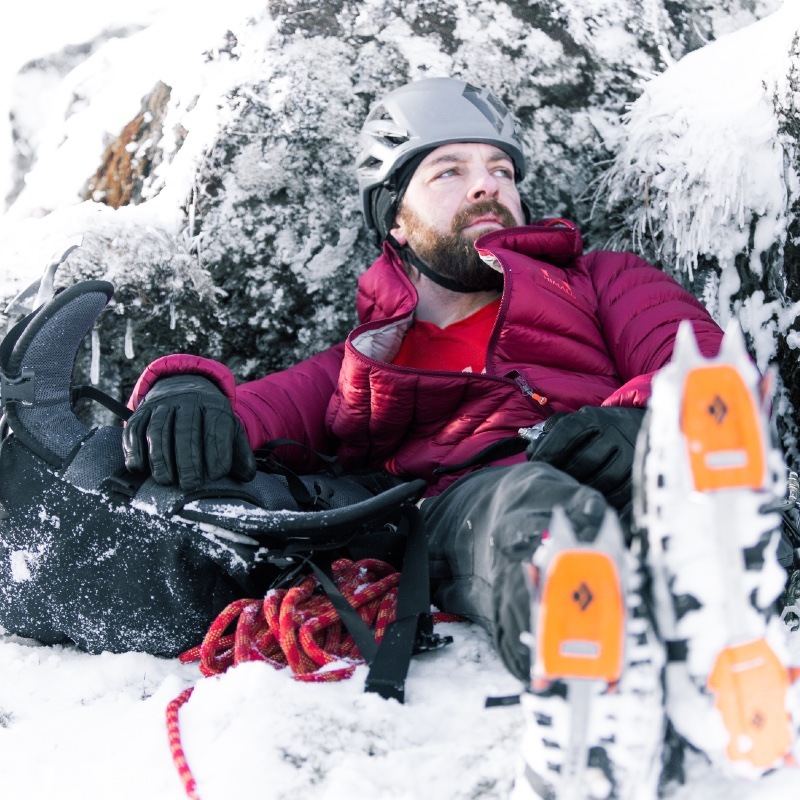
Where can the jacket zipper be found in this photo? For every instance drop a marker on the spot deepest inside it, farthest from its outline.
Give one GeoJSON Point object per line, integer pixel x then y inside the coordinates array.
{"type": "Point", "coordinates": [537, 399]}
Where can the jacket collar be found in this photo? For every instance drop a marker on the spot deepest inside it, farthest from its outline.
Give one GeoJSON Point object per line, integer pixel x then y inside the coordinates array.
{"type": "Point", "coordinates": [385, 291]}
{"type": "Point", "coordinates": [555, 241]}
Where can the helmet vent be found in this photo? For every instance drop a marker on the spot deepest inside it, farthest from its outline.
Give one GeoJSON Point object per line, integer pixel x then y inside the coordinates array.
{"type": "Point", "coordinates": [380, 113]}
{"type": "Point", "coordinates": [390, 132]}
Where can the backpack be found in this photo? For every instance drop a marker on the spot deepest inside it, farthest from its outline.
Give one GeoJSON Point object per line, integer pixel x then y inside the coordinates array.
{"type": "Point", "coordinates": [108, 560]}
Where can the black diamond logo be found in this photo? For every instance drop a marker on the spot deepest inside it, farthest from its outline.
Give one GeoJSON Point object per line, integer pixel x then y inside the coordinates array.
{"type": "Point", "coordinates": [583, 597]}
{"type": "Point", "coordinates": [718, 410]}
{"type": "Point", "coordinates": [486, 104]}
{"type": "Point", "coordinates": [758, 720]}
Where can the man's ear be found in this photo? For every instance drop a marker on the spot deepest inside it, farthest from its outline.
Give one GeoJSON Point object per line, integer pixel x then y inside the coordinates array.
{"type": "Point", "coordinates": [398, 232]}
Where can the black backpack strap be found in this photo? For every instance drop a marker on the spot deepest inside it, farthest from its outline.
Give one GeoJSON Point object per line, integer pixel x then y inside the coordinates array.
{"type": "Point", "coordinates": [89, 392]}
{"type": "Point", "coordinates": [412, 629]}
{"type": "Point", "coordinates": [350, 618]}
{"type": "Point", "coordinates": [268, 461]}
{"type": "Point", "coordinates": [305, 499]}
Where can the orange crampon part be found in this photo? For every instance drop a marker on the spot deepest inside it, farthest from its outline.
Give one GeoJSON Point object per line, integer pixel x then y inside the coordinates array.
{"type": "Point", "coordinates": [750, 684]}
{"type": "Point", "coordinates": [721, 425]}
{"type": "Point", "coordinates": [585, 637]}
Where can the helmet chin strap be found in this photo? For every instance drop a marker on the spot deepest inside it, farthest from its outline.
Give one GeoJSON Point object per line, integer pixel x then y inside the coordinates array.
{"type": "Point", "coordinates": [407, 254]}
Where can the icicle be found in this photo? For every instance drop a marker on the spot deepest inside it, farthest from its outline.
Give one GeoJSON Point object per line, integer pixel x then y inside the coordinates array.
{"type": "Point", "coordinates": [172, 316]}
{"type": "Point", "coordinates": [192, 212]}
{"type": "Point", "coordinates": [95, 369]}
{"type": "Point", "coordinates": [128, 340]}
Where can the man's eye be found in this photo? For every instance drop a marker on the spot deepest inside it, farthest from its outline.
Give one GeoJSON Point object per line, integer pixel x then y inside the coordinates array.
{"type": "Point", "coordinates": [504, 172]}
{"type": "Point", "coordinates": [448, 173]}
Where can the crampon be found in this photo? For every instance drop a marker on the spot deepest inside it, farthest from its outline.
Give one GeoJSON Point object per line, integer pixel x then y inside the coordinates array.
{"type": "Point", "coordinates": [708, 477]}
{"type": "Point", "coordinates": [594, 707]}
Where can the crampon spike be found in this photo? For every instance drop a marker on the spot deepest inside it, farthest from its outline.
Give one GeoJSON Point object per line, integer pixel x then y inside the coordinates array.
{"type": "Point", "coordinates": [686, 349]}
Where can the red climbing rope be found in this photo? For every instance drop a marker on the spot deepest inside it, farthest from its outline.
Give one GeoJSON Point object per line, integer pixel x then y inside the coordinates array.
{"type": "Point", "coordinates": [299, 627]}
{"type": "Point", "coordinates": [296, 628]}
{"type": "Point", "coordinates": [175, 745]}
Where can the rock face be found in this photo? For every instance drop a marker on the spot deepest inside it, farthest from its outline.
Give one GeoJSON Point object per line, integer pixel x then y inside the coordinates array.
{"type": "Point", "coordinates": [783, 263]}
{"type": "Point", "coordinates": [132, 156]}
{"type": "Point", "coordinates": [258, 266]}
{"type": "Point", "coordinates": [285, 178]}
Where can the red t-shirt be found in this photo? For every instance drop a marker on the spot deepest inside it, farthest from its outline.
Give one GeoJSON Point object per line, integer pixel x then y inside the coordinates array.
{"type": "Point", "coordinates": [460, 347]}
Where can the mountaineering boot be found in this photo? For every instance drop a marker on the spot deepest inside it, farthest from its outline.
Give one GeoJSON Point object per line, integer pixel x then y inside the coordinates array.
{"type": "Point", "coordinates": [594, 707]}
{"type": "Point", "coordinates": [706, 476]}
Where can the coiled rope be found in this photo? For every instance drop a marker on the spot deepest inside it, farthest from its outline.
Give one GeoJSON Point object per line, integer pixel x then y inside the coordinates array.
{"type": "Point", "coordinates": [296, 628]}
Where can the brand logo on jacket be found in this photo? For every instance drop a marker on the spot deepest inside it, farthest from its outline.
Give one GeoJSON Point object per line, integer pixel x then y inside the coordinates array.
{"type": "Point", "coordinates": [563, 285]}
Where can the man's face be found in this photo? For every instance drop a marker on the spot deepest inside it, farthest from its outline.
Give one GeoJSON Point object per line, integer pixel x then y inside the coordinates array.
{"type": "Point", "coordinates": [459, 192]}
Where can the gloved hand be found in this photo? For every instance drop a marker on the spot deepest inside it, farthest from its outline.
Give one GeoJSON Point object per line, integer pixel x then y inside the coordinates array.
{"type": "Point", "coordinates": [185, 432]}
{"type": "Point", "coordinates": [595, 446]}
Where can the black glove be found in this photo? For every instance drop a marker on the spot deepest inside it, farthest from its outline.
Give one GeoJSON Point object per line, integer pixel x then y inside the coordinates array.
{"type": "Point", "coordinates": [185, 432]}
{"type": "Point", "coordinates": [595, 446]}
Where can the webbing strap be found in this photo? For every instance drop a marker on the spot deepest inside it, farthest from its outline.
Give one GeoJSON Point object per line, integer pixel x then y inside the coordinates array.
{"type": "Point", "coordinates": [86, 391]}
{"type": "Point", "coordinates": [356, 627]}
{"type": "Point", "coordinates": [267, 451]}
{"type": "Point", "coordinates": [389, 668]}
{"type": "Point", "coordinates": [267, 462]}
{"type": "Point", "coordinates": [389, 660]}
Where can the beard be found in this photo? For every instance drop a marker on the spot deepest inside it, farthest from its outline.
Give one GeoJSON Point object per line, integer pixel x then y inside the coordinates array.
{"type": "Point", "coordinates": [453, 254]}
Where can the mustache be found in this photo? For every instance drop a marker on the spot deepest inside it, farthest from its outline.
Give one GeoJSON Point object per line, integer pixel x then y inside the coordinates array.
{"type": "Point", "coordinates": [481, 209]}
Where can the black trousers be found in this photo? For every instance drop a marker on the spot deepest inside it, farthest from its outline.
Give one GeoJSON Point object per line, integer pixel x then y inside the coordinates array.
{"type": "Point", "coordinates": [483, 528]}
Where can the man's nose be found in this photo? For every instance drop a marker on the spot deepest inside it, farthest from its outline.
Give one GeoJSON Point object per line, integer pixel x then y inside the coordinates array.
{"type": "Point", "coordinates": [484, 185]}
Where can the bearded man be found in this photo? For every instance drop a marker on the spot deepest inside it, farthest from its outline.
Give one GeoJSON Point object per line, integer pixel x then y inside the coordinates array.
{"type": "Point", "coordinates": [474, 323]}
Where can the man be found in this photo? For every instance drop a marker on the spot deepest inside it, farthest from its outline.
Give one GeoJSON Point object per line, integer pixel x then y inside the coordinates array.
{"type": "Point", "coordinates": [473, 325]}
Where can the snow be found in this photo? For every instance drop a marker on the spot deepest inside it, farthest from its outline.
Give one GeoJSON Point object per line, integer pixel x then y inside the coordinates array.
{"type": "Point", "coordinates": [74, 725]}
{"type": "Point", "coordinates": [702, 196]}
{"type": "Point", "coordinates": [708, 175]}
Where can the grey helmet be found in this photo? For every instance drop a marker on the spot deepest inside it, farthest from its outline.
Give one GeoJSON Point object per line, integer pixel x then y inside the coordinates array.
{"type": "Point", "coordinates": [413, 120]}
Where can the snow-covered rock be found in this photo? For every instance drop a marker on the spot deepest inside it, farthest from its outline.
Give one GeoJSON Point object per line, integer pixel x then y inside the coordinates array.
{"type": "Point", "coordinates": [706, 181]}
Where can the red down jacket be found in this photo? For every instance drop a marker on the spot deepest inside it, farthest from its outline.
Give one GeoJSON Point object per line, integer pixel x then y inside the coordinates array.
{"type": "Point", "coordinates": [572, 330]}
